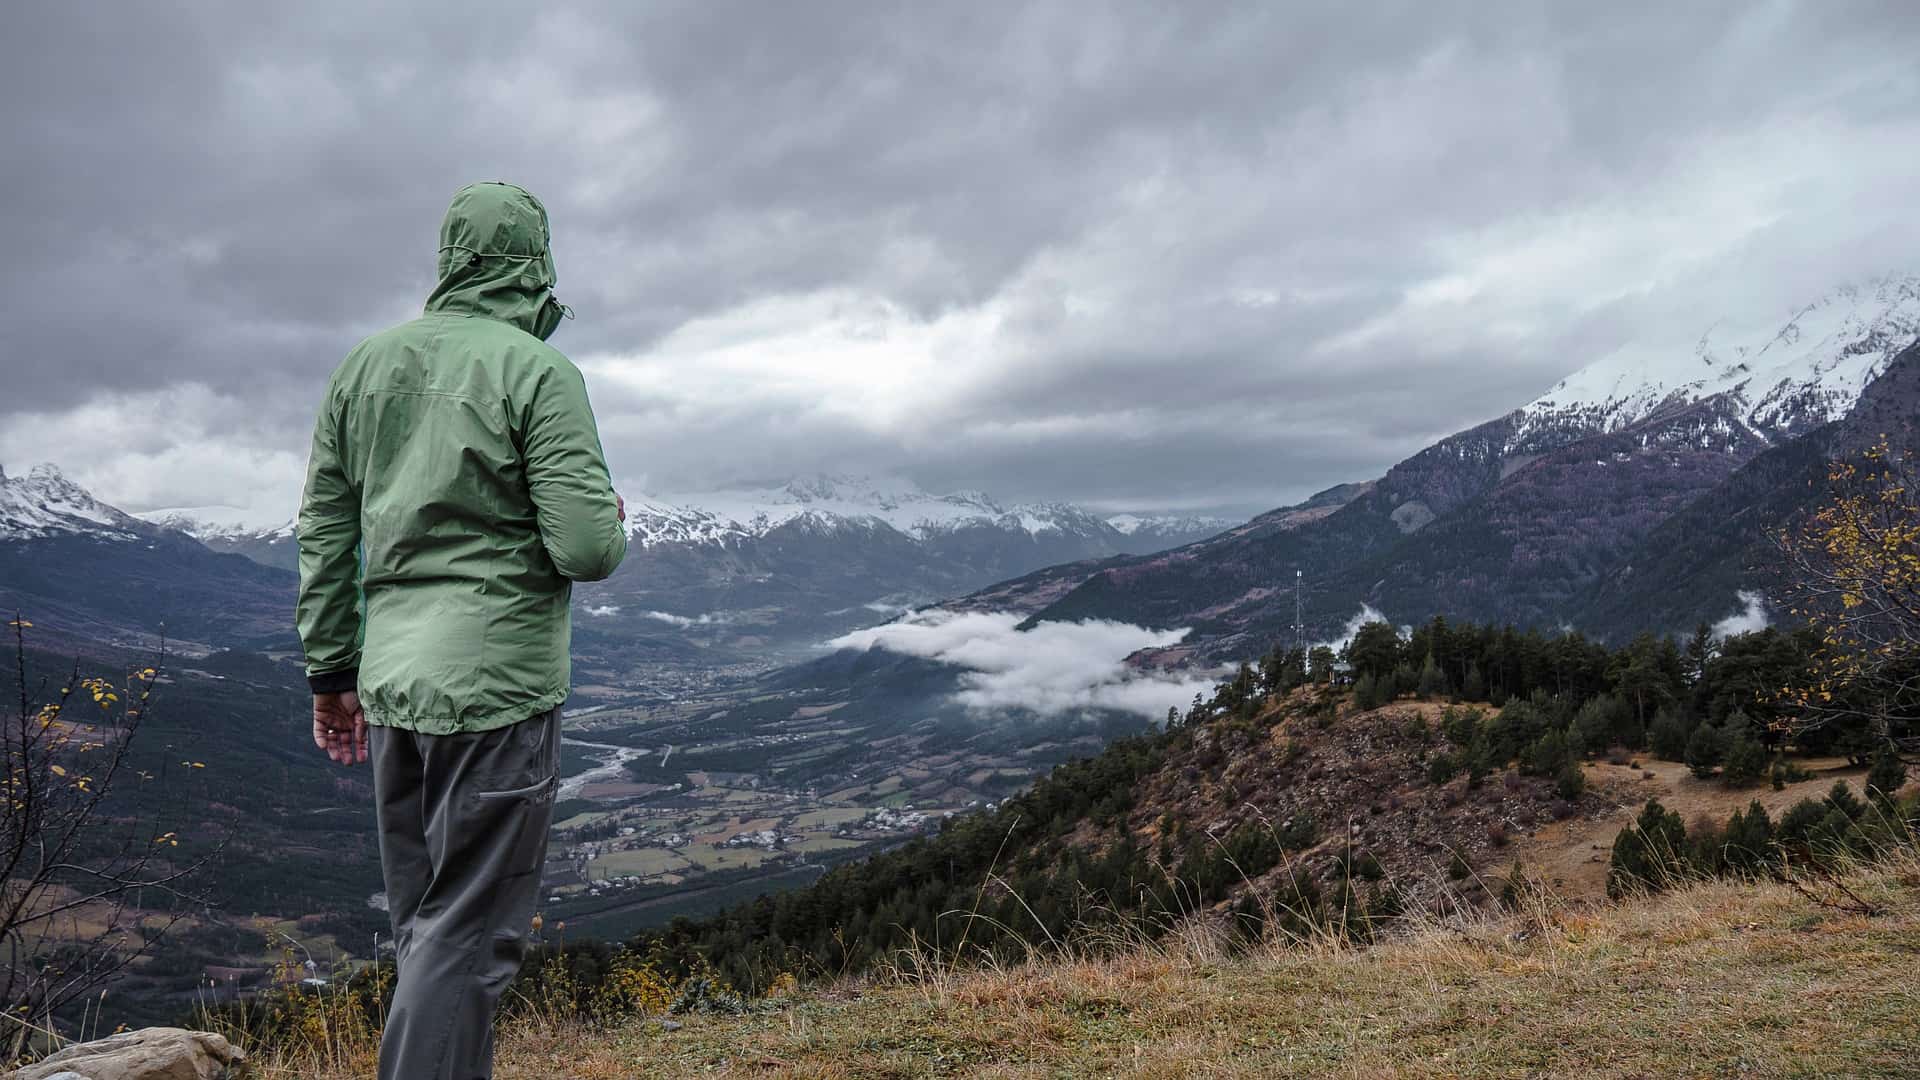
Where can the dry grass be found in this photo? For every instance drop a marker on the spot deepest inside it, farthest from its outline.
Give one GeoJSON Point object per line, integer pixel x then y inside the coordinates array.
{"type": "Point", "coordinates": [1719, 979]}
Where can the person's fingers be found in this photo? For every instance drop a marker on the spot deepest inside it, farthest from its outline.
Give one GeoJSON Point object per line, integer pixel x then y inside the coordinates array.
{"type": "Point", "coordinates": [360, 739]}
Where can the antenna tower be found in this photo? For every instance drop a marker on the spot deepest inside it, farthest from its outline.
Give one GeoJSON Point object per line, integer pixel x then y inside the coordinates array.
{"type": "Point", "coordinates": [1299, 623]}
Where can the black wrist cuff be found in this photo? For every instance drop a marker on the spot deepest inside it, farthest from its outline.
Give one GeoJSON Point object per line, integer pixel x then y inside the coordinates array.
{"type": "Point", "coordinates": [335, 682]}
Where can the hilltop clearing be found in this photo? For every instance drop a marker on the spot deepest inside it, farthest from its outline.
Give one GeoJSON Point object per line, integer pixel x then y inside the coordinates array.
{"type": "Point", "coordinates": [1718, 979]}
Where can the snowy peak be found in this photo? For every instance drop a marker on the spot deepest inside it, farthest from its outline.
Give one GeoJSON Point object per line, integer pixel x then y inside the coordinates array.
{"type": "Point", "coordinates": [45, 503]}
{"type": "Point", "coordinates": [1157, 525]}
{"type": "Point", "coordinates": [229, 523]}
{"type": "Point", "coordinates": [1778, 382]}
{"type": "Point", "coordinates": [827, 504]}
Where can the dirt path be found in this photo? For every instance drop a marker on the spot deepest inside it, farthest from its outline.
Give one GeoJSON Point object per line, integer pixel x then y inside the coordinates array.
{"type": "Point", "coordinates": [1572, 855]}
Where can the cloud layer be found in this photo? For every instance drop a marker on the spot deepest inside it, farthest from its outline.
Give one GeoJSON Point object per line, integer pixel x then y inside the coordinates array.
{"type": "Point", "coordinates": [1140, 256]}
{"type": "Point", "coordinates": [1052, 670]}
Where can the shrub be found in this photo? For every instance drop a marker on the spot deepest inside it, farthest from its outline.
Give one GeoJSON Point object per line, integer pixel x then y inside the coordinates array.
{"type": "Point", "coordinates": [1547, 755]}
{"type": "Point", "coordinates": [1572, 781]}
{"type": "Point", "coordinates": [1415, 730]}
{"type": "Point", "coordinates": [1460, 726]}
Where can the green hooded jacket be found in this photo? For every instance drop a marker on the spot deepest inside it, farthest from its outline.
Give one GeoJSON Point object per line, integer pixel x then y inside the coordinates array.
{"type": "Point", "coordinates": [456, 489]}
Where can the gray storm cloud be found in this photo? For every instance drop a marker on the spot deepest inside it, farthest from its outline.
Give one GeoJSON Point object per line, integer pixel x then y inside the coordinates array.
{"type": "Point", "coordinates": [1135, 255]}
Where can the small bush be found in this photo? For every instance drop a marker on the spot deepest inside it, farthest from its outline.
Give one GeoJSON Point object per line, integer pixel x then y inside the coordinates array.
{"type": "Point", "coordinates": [1572, 781]}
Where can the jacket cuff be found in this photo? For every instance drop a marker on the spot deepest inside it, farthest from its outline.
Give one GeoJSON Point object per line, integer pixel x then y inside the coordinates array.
{"type": "Point", "coordinates": [335, 682]}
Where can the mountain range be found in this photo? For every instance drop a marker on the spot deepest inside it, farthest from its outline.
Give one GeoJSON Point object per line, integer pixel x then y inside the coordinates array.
{"type": "Point", "coordinates": [1564, 511]}
{"type": "Point", "coordinates": [1636, 494]}
{"type": "Point", "coordinates": [710, 579]}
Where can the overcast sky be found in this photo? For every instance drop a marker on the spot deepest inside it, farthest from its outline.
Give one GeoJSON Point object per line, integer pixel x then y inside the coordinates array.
{"type": "Point", "coordinates": [1139, 256]}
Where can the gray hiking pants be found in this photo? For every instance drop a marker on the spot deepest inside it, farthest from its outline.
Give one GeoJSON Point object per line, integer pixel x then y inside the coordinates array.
{"type": "Point", "coordinates": [463, 830]}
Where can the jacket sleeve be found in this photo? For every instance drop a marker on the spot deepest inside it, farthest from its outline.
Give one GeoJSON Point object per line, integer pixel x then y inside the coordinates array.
{"type": "Point", "coordinates": [328, 610]}
{"type": "Point", "coordinates": [573, 498]}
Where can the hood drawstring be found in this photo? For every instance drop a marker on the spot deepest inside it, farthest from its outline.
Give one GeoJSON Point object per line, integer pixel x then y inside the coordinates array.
{"type": "Point", "coordinates": [548, 318]}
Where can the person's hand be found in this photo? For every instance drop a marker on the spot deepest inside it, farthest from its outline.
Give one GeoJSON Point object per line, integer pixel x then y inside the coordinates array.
{"type": "Point", "coordinates": [340, 727]}
{"type": "Point", "coordinates": [622, 500]}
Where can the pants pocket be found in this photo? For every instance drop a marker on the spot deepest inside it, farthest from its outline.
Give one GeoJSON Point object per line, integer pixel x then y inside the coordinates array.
{"type": "Point", "coordinates": [521, 818]}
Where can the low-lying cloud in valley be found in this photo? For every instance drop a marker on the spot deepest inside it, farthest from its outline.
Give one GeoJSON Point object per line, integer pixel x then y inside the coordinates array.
{"type": "Point", "coordinates": [1752, 616]}
{"type": "Point", "coordinates": [1367, 614]}
{"type": "Point", "coordinates": [1052, 669]}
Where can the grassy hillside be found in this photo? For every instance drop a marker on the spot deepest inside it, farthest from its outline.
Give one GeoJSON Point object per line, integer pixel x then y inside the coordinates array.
{"type": "Point", "coordinates": [1718, 979]}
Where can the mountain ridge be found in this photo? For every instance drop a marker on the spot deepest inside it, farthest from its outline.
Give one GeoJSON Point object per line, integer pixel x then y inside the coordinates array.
{"type": "Point", "coordinates": [1523, 517]}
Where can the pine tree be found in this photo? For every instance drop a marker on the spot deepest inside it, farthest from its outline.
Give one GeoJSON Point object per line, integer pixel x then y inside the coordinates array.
{"type": "Point", "coordinates": [1405, 680]}
{"type": "Point", "coordinates": [1320, 661]}
{"type": "Point", "coordinates": [1669, 733]}
{"type": "Point", "coordinates": [1368, 693]}
{"type": "Point", "coordinates": [1746, 761]}
{"type": "Point", "coordinates": [1705, 750]}
{"type": "Point", "coordinates": [1592, 727]}
{"type": "Point", "coordinates": [1648, 853]}
{"type": "Point", "coordinates": [1433, 683]}
{"type": "Point", "coordinates": [1572, 781]}
{"type": "Point", "coordinates": [1474, 686]}
{"type": "Point", "coordinates": [1749, 839]}
{"type": "Point", "coordinates": [1887, 776]}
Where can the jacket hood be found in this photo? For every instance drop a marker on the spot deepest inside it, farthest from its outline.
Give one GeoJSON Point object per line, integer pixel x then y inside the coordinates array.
{"type": "Point", "coordinates": [496, 259]}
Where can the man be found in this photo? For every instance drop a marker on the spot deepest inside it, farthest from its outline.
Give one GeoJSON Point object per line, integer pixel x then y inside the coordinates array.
{"type": "Point", "coordinates": [456, 489]}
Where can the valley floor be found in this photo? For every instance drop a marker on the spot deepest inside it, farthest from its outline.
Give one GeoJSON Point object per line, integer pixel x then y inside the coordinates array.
{"type": "Point", "coordinates": [1720, 979]}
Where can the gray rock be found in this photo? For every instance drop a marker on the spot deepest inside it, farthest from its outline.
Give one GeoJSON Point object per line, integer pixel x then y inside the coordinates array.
{"type": "Point", "coordinates": [147, 1054]}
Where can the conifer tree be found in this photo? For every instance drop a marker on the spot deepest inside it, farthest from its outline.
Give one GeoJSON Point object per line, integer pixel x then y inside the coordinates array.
{"type": "Point", "coordinates": [1705, 750]}
{"type": "Point", "coordinates": [1887, 776]}
{"type": "Point", "coordinates": [1474, 686]}
{"type": "Point", "coordinates": [1648, 853]}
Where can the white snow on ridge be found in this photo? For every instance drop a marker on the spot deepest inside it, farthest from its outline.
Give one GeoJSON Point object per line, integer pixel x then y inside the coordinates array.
{"type": "Point", "coordinates": [219, 523]}
{"type": "Point", "coordinates": [45, 503]}
{"type": "Point", "coordinates": [1783, 379]}
{"type": "Point", "coordinates": [1168, 524]}
{"type": "Point", "coordinates": [830, 504]}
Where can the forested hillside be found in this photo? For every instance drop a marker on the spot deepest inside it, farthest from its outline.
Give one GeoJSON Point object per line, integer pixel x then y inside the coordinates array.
{"type": "Point", "coordinates": [1286, 798]}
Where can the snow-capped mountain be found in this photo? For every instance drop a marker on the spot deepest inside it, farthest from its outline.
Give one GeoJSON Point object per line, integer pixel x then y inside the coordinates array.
{"type": "Point", "coordinates": [81, 570]}
{"type": "Point", "coordinates": [233, 530]}
{"type": "Point", "coordinates": [1636, 494]}
{"type": "Point", "coordinates": [1158, 526]}
{"type": "Point", "coordinates": [829, 504]}
{"type": "Point", "coordinates": [229, 523]}
{"type": "Point", "coordinates": [1773, 384]}
{"type": "Point", "coordinates": [44, 503]}
{"type": "Point", "coordinates": [805, 561]}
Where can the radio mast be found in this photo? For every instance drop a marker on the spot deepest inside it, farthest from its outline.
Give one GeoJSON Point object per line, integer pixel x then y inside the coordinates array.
{"type": "Point", "coordinates": [1299, 623]}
